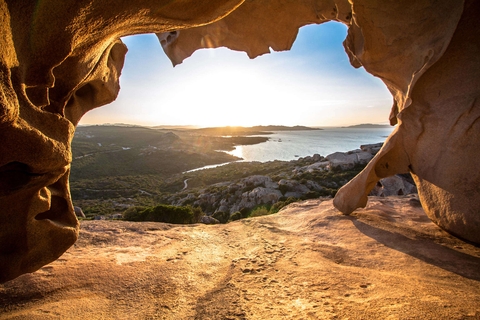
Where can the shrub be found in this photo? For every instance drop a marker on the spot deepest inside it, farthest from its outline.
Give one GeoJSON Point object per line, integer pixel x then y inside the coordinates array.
{"type": "Point", "coordinates": [164, 213]}
{"type": "Point", "coordinates": [283, 188]}
{"type": "Point", "coordinates": [260, 211]}
{"type": "Point", "coordinates": [223, 217]}
{"type": "Point", "coordinates": [279, 205]}
{"type": "Point", "coordinates": [311, 195]}
{"type": "Point", "coordinates": [327, 192]}
{"type": "Point", "coordinates": [243, 213]}
{"type": "Point", "coordinates": [197, 213]}
{"type": "Point", "coordinates": [236, 216]}
{"type": "Point", "coordinates": [133, 214]}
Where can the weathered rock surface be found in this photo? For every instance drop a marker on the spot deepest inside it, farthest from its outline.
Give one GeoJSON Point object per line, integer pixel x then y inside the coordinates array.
{"type": "Point", "coordinates": [59, 60]}
{"type": "Point", "coordinates": [387, 261]}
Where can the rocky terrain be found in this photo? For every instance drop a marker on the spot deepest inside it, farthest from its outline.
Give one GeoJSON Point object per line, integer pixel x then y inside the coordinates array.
{"type": "Point", "coordinates": [387, 261]}
{"type": "Point", "coordinates": [305, 179]}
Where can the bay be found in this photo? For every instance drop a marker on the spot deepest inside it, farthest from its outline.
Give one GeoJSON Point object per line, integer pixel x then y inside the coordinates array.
{"type": "Point", "coordinates": [290, 145]}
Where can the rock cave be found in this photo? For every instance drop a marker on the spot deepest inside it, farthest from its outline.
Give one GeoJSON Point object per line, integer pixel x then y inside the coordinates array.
{"type": "Point", "coordinates": [59, 60]}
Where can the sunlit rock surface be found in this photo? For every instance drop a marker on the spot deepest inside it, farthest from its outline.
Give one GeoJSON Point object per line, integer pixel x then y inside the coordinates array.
{"type": "Point", "coordinates": [387, 261]}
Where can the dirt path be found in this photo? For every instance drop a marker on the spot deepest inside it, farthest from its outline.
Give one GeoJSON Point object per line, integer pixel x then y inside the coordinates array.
{"type": "Point", "coordinates": [185, 184]}
{"type": "Point", "coordinates": [387, 261]}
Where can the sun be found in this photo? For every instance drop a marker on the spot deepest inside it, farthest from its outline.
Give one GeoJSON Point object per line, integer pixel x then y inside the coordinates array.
{"type": "Point", "coordinates": [227, 97]}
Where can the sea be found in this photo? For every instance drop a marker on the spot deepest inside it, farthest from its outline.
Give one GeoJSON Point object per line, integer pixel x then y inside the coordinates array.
{"type": "Point", "coordinates": [291, 145]}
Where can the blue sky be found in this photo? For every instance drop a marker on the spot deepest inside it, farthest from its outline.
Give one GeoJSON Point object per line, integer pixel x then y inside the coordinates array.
{"type": "Point", "coordinates": [313, 84]}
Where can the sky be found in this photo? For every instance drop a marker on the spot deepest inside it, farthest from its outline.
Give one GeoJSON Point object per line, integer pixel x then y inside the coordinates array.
{"type": "Point", "coordinates": [313, 84]}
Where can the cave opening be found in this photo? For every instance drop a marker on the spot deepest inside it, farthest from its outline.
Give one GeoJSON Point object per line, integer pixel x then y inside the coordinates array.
{"type": "Point", "coordinates": [313, 84]}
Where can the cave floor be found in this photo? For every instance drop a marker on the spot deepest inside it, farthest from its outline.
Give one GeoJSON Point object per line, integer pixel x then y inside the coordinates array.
{"type": "Point", "coordinates": [387, 261]}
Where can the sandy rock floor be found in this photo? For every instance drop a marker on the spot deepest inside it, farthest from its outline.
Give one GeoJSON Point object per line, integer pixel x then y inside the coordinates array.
{"type": "Point", "coordinates": [387, 261]}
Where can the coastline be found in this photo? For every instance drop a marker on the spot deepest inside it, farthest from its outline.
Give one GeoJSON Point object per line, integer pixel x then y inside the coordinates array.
{"type": "Point", "coordinates": [291, 145]}
{"type": "Point", "coordinates": [287, 145]}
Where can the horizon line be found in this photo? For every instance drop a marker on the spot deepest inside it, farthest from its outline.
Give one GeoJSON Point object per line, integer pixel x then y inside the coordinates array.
{"type": "Point", "coordinates": [224, 126]}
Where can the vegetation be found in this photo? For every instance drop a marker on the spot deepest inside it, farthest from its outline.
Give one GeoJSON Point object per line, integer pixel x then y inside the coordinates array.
{"type": "Point", "coordinates": [164, 213]}
{"type": "Point", "coordinates": [279, 205]}
{"type": "Point", "coordinates": [221, 216]}
{"type": "Point", "coordinates": [264, 210]}
{"type": "Point", "coordinates": [260, 211]}
{"type": "Point", "coordinates": [133, 170]}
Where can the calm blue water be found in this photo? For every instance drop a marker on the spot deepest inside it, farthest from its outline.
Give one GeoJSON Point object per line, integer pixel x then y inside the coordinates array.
{"type": "Point", "coordinates": [290, 145]}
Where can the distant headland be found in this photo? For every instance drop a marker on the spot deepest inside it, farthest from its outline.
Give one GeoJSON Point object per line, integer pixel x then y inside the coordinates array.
{"type": "Point", "coordinates": [368, 126]}
{"type": "Point", "coordinates": [255, 130]}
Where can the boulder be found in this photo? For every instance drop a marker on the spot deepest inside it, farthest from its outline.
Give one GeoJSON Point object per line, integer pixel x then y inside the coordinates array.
{"type": "Point", "coordinates": [258, 180]}
{"type": "Point", "coordinates": [341, 160]}
{"type": "Point", "coordinates": [312, 185]}
{"type": "Point", "coordinates": [78, 212]}
{"type": "Point", "coordinates": [265, 195]}
{"type": "Point", "coordinates": [347, 160]}
{"type": "Point", "coordinates": [223, 208]}
{"type": "Point", "coordinates": [363, 157]}
{"type": "Point", "coordinates": [321, 165]}
{"type": "Point", "coordinates": [292, 188]}
{"type": "Point", "coordinates": [393, 186]}
{"type": "Point", "coordinates": [372, 148]}
{"type": "Point", "coordinates": [255, 197]}
{"type": "Point", "coordinates": [209, 220]}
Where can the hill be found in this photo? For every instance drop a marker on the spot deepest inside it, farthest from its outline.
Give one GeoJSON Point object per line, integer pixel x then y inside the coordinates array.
{"type": "Point", "coordinates": [118, 162]}
{"type": "Point", "coordinates": [101, 151]}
